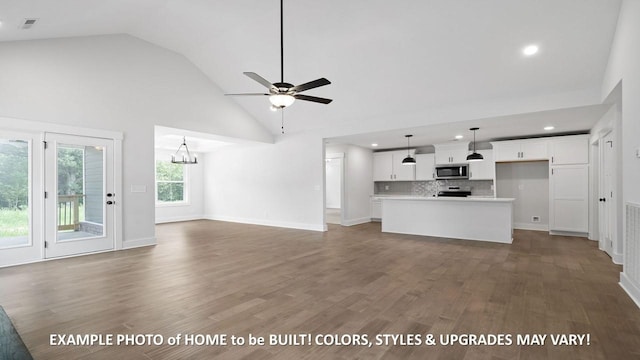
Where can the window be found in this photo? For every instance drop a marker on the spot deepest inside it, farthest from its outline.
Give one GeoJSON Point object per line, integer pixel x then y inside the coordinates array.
{"type": "Point", "coordinates": [170, 183]}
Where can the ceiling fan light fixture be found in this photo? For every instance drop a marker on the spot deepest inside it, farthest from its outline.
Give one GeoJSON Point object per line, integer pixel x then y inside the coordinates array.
{"type": "Point", "coordinates": [281, 100]}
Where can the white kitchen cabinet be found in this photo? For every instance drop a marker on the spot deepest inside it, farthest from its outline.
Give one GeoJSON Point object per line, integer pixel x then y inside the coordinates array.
{"type": "Point", "coordinates": [566, 150]}
{"type": "Point", "coordinates": [454, 153]}
{"type": "Point", "coordinates": [376, 209]}
{"type": "Point", "coordinates": [520, 150]}
{"type": "Point", "coordinates": [383, 166]}
{"type": "Point", "coordinates": [485, 169]}
{"type": "Point", "coordinates": [569, 198]}
{"type": "Point", "coordinates": [387, 166]}
{"type": "Point", "coordinates": [425, 164]}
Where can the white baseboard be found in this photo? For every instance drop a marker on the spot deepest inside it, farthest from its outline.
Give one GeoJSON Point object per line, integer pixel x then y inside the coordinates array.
{"type": "Point", "coordinates": [618, 259]}
{"type": "Point", "coordinates": [130, 244]}
{"type": "Point", "coordinates": [282, 224]}
{"type": "Point", "coordinates": [632, 289]}
{"type": "Point", "coordinates": [568, 233]}
{"type": "Point", "coordinates": [178, 219]}
{"type": "Point", "coordinates": [356, 221]}
{"type": "Point", "coordinates": [529, 226]}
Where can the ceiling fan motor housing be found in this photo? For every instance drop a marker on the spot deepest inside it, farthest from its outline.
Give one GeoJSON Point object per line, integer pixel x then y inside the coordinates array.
{"type": "Point", "coordinates": [283, 87]}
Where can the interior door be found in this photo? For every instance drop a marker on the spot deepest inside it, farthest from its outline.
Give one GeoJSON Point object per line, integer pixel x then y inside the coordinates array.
{"type": "Point", "coordinates": [79, 201]}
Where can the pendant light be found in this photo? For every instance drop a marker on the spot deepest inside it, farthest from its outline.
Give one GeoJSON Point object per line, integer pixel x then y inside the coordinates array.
{"type": "Point", "coordinates": [186, 158]}
{"type": "Point", "coordinates": [474, 156]}
{"type": "Point", "coordinates": [408, 160]}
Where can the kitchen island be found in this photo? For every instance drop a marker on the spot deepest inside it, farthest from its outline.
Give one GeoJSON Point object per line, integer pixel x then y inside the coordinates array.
{"type": "Point", "coordinates": [469, 218]}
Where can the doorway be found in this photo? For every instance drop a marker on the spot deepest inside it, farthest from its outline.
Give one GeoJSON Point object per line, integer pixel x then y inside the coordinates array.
{"type": "Point", "coordinates": [334, 199]}
{"type": "Point", "coordinates": [79, 197]}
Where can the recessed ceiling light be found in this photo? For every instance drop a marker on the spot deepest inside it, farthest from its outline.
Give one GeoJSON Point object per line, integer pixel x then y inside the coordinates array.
{"type": "Point", "coordinates": [459, 137]}
{"type": "Point", "coordinates": [547, 128]}
{"type": "Point", "coordinates": [374, 144]}
{"type": "Point", "coordinates": [530, 50]}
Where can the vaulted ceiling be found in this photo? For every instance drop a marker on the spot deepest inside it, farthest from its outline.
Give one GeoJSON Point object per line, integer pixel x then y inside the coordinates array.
{"type": "Point", "coordinates": [384, 58]}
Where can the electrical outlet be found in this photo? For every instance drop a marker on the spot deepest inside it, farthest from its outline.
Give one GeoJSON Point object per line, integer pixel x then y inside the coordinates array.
{"type": "Point", "coordinates": [535, 219]}
{"type": "Point", "coordinates": [386, 187]}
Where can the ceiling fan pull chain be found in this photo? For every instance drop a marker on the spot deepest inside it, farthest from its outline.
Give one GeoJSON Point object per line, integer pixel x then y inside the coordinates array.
{"type": "Point", "coordinates": [282, 123]}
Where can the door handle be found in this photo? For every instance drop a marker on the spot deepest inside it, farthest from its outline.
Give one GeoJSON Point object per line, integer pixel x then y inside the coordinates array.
{"type": "Point", "coordinates": [109, 202]}
{"type": "Point", "coordinates": [111, 194]}
{"type": "Point", "coordinates": [602, 199]}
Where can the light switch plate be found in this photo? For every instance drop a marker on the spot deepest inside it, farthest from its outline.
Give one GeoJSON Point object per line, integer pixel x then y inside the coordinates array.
{"type": "Point", "coordinates": [138, 188]}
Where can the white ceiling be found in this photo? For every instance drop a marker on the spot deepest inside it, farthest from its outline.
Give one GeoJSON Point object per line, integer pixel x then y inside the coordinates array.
{"type": "Point", "coordinates": [167, 138]}
{"type": "Point", "coordinates": [564, 121]}
{"type": "Point", "coordinates": [381, 56]}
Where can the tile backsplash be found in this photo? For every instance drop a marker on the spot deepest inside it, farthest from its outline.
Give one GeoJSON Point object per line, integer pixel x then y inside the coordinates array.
{"type": "Point", "coordinates": [431, 188]}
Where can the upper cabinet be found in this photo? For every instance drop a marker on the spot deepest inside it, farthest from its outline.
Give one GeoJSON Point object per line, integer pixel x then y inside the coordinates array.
{"type": "Point", "coordinates": [521, 150]}
{"type": "Point", "coordinates": [452, 153]}
{"type": "Point", "coordinates": [382, 166]}
{"type": "Point", "coordinates": [485, 169]}
{"type": "Point", "coordinates": [425, 164]}
{"type": "Point", "coordinates": [568, 150]}
{"type": "Point", "coordinates": [387, 166]}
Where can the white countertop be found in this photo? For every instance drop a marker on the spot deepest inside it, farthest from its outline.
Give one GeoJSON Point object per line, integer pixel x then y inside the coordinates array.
{"type": "Point", "coordinates": [442, 198]}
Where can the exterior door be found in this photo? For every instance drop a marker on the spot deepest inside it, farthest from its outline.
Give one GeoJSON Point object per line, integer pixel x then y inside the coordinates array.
{"type": "Point", "coordinates": [20, 209]}
{"type": "Point", "coordinates": [79, 198]}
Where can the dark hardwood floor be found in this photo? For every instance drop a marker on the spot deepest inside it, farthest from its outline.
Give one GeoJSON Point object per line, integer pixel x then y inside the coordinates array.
{"type": "Point", "coordinates": [208, 277]}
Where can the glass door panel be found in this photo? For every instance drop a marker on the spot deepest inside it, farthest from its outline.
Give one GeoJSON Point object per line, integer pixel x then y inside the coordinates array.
{"type": "Point", "coordinates": [15, 211]}
{"type": "Point", "coordinates": [80, 209]}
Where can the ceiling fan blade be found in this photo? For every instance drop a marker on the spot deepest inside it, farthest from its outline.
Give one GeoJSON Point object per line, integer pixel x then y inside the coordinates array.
{"type": "Point", "coordinates": [311, 85]}
{"type": "Point", "coordinates": [247, 94]}
{"type": "Point", "coordinates": [312, 98]}
{"type": "Point", "coordinates": [259, 79]}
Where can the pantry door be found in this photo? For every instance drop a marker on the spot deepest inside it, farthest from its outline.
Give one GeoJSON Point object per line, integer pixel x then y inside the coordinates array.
{"type": "Point", "coordinates": [79, 197]}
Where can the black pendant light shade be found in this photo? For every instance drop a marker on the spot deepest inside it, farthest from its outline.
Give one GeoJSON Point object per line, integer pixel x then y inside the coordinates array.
{"type": "Point", "coordinates": [474, 156]}
{"type": "Point", "coordinates": [408, 160]}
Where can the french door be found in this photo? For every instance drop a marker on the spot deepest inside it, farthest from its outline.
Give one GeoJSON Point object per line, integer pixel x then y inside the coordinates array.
{"type": "Point", "coordinates": [79, 199]}
{"type": "Point", "coordinates": [20, 208]}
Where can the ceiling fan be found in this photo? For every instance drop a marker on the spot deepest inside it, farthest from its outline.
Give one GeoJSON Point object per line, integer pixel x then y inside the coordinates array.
{"type": "Point", "coordinates": [282, 94]}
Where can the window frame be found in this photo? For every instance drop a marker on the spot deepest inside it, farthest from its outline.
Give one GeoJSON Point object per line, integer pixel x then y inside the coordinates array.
{"type": "Point", "coordinates": [185, 185]}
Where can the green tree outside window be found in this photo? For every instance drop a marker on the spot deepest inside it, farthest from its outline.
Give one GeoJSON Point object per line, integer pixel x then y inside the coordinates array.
{"type": "Point", "coordinates": [169, 182]}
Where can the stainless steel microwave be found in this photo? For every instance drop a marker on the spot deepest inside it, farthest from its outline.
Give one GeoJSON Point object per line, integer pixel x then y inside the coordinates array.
{"type": "Point", "coordinates": [445, 172]}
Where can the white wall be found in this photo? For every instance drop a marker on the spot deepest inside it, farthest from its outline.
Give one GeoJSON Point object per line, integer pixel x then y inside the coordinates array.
{"type": "Point", "coordinates": [193, 209]}
{"type": "Point", "coordinates": [623, 67]}
{"type": "Point", "coordinates": [277, 184]}
{"type": "Point", "coordinates": [358, 182]}
{"type": "Point", "coordinates": [528, 183]}
{"type": "Point", "coordinates": [120, 83]}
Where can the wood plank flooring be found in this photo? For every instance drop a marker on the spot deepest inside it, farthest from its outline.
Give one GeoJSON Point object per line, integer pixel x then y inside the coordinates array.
{"type": "Point", "coordinates": [209, 277]}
